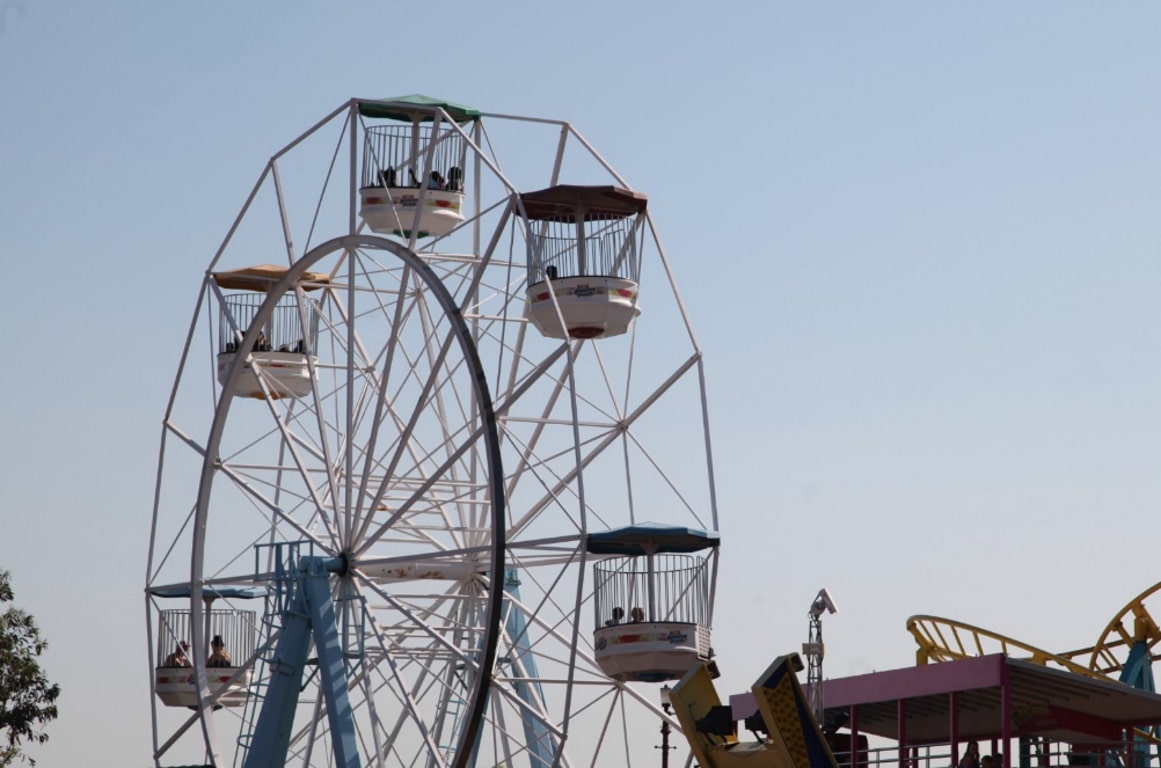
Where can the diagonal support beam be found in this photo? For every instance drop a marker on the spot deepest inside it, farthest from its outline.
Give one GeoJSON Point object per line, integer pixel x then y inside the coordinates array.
{"type": "Point", "coordinates": [309, 613]}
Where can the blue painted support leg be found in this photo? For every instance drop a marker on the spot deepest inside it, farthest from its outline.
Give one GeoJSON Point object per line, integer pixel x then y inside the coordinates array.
{"type": "Point", "coordinates": [271, 735]}
{"type": "Point", "coordinates": [310, 610]}
{"type": "Point", "coordinates": [1138, 672]}
{"type": "Point", "coordinates": [1138, 668]}
{"type": "Point", "coordinates": [332, 670]}
{"type": "Point", "coordinates": [537, 737]}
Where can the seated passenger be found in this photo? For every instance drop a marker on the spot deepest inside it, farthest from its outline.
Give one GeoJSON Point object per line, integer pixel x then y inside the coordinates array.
{"type": "Point", "coordinates": [618, 616]}
{"type": "Point", "coordinates": [387, 177]}
{"type": "Point", "coordinates": [178, 658]}
{"type": "Point", "coordinates": [455, 179]}
{"type": "Point", "coordinates": [435, 181]}
{"type": "Point", "coordinates": [637, 614]}
{"type": "Point", "coordinates": [220, 656]}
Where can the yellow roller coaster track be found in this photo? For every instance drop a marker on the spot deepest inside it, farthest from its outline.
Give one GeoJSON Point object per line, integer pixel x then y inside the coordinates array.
{"type": "Point", "coordinates": [943, 639]}
{"type": "Point", "coordinates": [1112, 647]}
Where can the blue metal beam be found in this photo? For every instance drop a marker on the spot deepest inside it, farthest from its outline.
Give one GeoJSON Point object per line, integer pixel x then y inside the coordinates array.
{"type": "Point", "coordinates": [539, 741]}
{"type": "Point", "coordinates": [1138, 668]}
{"type": "Point", "coordinates": [309, 610]}
{"type": "Point", "coordinates": [331, 665]}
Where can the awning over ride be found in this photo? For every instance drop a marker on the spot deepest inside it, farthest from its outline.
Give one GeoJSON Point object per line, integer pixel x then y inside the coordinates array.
{"type": "Point", "coordinates": [565, 202]}
{"type": "Point", "coordinates": [416, 107]}
{"type": "Point", "coordinates": [209, 591]}
{"type": "Point", "coordinates": [651, 539]}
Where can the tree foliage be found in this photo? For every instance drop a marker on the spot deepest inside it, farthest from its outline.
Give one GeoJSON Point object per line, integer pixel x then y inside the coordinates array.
{"type": "Point", "coordinates": [27, 699]}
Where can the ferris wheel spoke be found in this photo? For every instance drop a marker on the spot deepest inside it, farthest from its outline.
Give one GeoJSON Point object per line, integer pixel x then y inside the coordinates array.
{"type": "Point", "coordinates": [422, 399]}
{"type": "Point", "coordinates": [419, 494]}
{"type": "Point", "coordinates": [390, 481]}
{"type": "Point", "coordinates": [409, 705]}
{"type": "Point", "coordinates": [304, 740]}
{"type": "Point", "coordinates": [290, 444]}
{"type": "Point", "coordinates": [417, 624]}
{"type": "Point", "coordinates": [156, 568]}
{"type": "Point", "coordinates": [319, 450]}
{"type": "Point", "coordinates": [381, 403]}
{"type": "Point", "coordinates": [277, 511]}
{"type": "Point", "coordinates": [605, 726]}
{"type": "Point", "coordinates": [374, 726]}
{"type": "Point", "coordinates": [614, 398]}
{"type": "Point", "coordinates": [405, 444]}
{"type": "Point", "coordinates": [528, 706]}
{"type": "Point", "coordinates": [527, 453]}
{"type": "Point", "coordinates": [552, 635]}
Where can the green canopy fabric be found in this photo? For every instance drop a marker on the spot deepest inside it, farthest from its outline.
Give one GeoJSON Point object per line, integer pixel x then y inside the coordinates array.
{"type": "Point", "coordinates": [416, 107]}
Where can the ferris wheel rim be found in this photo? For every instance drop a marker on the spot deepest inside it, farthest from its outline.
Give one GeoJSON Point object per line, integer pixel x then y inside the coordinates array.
{"type": "Point", "coordinates": [211, 460]}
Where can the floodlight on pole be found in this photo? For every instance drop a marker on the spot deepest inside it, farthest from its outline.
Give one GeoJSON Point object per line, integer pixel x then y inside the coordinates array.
{"type": "Point", "coordinates": [813, 649]}
{"type": "Point", "coordinates": [667, 705]}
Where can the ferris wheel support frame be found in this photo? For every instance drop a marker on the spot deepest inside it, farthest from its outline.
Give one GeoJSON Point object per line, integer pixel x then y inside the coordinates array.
{"type": "Point", "coordinates": [309, 612]}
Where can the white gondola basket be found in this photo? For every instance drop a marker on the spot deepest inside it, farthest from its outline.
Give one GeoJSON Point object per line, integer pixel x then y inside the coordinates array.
{"type": "Point", "coordinates": [391, 210]}
{"type": "Point", "coordinates": [178, 687]}
{"type": "Point", "coordinates": [651, 651]}
{"type": "Point", "coordinates": [286, 374]}
{"type": "Point", "coordinates": [592, 306]}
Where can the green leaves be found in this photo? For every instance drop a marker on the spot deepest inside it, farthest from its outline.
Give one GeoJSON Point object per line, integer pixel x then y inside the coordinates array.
{"type": "Point", "coordinates": [27, 699]}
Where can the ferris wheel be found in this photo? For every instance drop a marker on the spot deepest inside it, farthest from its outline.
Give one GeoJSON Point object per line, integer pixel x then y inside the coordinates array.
{"type": "Point", "coordinates": [440, 358]}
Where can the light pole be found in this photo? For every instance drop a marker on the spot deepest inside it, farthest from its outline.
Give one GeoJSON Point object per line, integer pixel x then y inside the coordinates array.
{"type": "Point", "coordinates": [813, 649]}
{"type": "Point", "coordinates": [666, 705]}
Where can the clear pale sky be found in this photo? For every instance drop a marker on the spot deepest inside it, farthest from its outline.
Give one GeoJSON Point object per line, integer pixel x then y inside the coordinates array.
{"type": "Point", "coordinates": [919, 243]}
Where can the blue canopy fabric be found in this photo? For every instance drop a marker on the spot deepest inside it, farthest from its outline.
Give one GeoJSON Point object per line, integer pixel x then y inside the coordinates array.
{"type": "Point", "coordinates": [651, 539]}
{"type": "Point", "coordinates": [184, 590]}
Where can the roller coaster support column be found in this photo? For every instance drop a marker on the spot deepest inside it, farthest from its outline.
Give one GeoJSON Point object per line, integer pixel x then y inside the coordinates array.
{"type": "Point", "coordinates": [308, 611]}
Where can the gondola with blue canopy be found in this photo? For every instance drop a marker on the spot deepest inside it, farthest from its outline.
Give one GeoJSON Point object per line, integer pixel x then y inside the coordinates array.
{"type": "Point", "coordinates": [228, 633]}
{"type": "Point", "coordinates": [652, 600]}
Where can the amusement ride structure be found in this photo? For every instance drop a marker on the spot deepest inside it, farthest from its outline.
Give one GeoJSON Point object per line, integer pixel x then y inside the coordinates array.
{"type": "Point", "coordinates": [1125, 649]}
{"type": "Point", "coordinates": [435, 485]}
{"type": "Point", "coordinates": [993, 702]}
